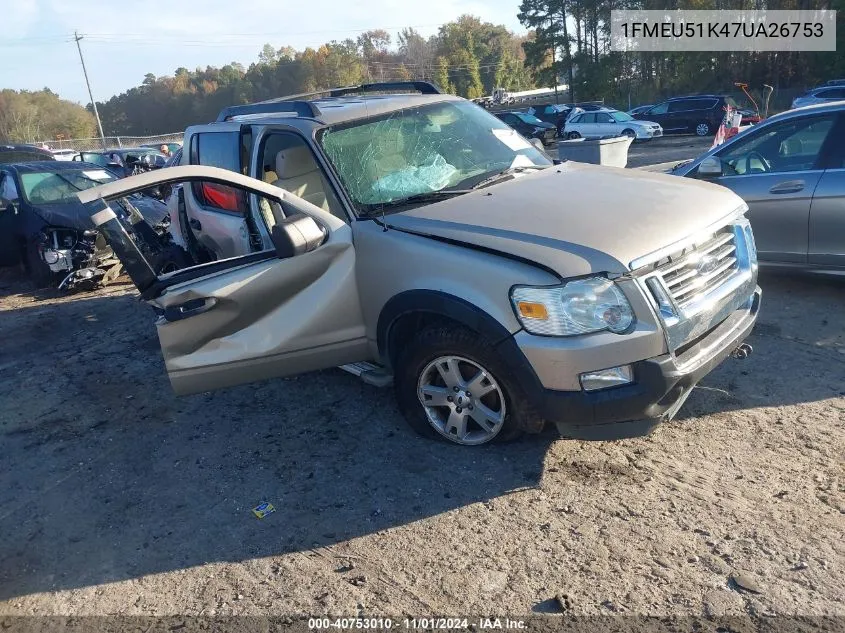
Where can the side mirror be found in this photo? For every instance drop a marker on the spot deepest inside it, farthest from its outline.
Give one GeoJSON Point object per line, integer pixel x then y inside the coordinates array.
{"type": "Point", "coordinates": [710, 167]}
{"type": "Point", "coordinates": [297, 235]}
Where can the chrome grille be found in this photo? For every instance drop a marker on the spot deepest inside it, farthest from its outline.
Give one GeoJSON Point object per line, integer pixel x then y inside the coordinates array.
{"type": "Point", "coordinates": [700, 268]}
{"type": "Point", "coordinates": [698, 281]}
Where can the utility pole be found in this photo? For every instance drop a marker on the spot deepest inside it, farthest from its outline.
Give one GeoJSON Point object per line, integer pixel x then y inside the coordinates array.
{"type": "Point", "coordinates": [78, 37]}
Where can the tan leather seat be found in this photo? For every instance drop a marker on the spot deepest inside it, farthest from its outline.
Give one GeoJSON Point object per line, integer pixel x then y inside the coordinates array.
{"type": "Point", "coordinates": [298, 173]}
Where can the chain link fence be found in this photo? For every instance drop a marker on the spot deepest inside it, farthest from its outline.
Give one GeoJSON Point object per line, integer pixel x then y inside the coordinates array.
{"type": "Point", "coordinates": [81, 144]}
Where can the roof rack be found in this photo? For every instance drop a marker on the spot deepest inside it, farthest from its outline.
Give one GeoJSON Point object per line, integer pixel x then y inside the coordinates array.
{"type": "Point", "coordinates": [300, 108]}
{"type": "Point", "coordinates": [300, 105]}
{"type": "Point", "coordinates": [424, 87]}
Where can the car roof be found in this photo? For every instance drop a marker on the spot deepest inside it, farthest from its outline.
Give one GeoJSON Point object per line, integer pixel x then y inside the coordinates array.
{"type": "Point", "coordinates": [49, 165]}
{"type": "Point", "coordinates": [337, 105]}
{"type": "Point", "coordinates": [22, 147]}
{"type": "Point", "coordinates": [333, 110]}
{"type": "Point", "coordinates": [820, 108]}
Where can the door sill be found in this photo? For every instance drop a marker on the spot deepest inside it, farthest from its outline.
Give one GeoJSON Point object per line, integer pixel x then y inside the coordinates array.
{"type": "Point", "coordinates": [370, 373]}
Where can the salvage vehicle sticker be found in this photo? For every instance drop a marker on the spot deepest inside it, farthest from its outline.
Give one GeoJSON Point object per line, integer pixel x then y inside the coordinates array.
{"type": "Point", "coordinates": [98, 174]}
{"type": "Point", "coordinates": [513, 140]}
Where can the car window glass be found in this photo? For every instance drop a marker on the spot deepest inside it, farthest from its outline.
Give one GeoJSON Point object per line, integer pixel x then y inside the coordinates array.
{"type": "Point", "coordinates": [792, 145]}
{"type": "Point", "coordinates": [660, 108]}
{"type": "Point", "coordinates": [682, 105]}
{"type": "Point", "coordinates": [218, 149]}
{"type": "Point", "coordinates": [289, 163]}
{"type": "Point", "coordinates": [603, 117]}
{"type": "Point", "coordinates": [8, 190]}
{"type": "Point", "coordinates": [577, 118]}
{"type": "Point", "coordinates": [588, 118]}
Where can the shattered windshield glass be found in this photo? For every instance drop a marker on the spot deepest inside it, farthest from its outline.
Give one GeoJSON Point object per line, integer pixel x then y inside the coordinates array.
{"type": "Point", "coordinates": [434, 147]}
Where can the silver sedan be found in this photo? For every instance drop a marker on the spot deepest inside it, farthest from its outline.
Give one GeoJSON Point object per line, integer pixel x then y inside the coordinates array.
{"type": "Point", "coordinates": [790, 170]}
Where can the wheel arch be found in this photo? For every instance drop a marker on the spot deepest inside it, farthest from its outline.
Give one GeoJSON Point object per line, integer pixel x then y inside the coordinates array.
{"type": "Point", "coordinates": [410, 311]}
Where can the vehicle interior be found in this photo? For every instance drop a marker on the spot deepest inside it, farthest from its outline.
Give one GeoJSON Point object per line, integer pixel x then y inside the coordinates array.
{"type": "Point", "coordinates": [792, 146]}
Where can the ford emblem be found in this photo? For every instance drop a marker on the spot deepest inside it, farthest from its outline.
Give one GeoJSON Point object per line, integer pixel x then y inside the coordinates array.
{"type": "Point", "coordinates": [707, 265]}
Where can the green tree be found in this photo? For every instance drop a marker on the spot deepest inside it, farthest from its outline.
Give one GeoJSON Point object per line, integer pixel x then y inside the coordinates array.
{"type": "Point", "coordinates": [28, 116]}
{"type": "Point", "coordinates": [441, 75]}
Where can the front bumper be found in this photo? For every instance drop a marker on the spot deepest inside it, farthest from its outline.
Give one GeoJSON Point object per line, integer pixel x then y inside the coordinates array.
{"type": "Point", "coordinates": [660, 387]}
{"type": "Point", "coordinates": [647, 133]}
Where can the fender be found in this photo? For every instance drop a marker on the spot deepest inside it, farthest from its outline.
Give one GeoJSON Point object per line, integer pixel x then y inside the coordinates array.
{"type": "Point", "coordinates": [440, 303]}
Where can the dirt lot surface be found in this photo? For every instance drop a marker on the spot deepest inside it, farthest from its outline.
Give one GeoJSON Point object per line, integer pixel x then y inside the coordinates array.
{"type": "Point", "coordinates": [118, 497]}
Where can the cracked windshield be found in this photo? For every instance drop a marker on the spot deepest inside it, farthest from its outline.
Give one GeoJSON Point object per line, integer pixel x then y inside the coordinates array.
{"type": "Point", "coordinates": [438, 147]}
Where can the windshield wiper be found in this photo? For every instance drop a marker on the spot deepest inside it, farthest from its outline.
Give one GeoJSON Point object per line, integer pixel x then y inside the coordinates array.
{"type": "Point", "coordinates": [510, 171]}
{"type": "Point", "coordinates": [419, 198]}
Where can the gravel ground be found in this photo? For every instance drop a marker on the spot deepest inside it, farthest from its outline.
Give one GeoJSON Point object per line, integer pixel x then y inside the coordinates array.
{"type": "Point", "coordinates": [118, 497]}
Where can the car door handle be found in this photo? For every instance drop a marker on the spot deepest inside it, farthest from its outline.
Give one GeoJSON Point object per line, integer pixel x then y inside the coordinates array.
{"type": "Point", "coordinates": [789, 186]}
{"type": "Point", "coordinates": [189, 309]}
{"type": "Point", "coordinates": [195, 224]}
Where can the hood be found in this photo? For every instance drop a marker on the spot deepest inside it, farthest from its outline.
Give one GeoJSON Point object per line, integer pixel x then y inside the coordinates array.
{"type": "Point", "coordinates": [642, 123]}
{"type": "Point", "coordinates": [575, 218]}
{"type": "Point", "coordinates": [72, 214]}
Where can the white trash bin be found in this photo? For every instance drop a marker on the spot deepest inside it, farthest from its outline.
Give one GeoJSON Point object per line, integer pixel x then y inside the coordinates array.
{"type": "Point", "coordinates": [605, 151]}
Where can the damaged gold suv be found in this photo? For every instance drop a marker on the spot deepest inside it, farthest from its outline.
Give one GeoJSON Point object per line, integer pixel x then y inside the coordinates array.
{"type": "Point", "coordinates": [415, 239]}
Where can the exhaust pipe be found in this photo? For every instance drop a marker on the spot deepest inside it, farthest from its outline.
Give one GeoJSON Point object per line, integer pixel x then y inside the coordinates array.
{"type": "Point", "coordinates": [742, 352]}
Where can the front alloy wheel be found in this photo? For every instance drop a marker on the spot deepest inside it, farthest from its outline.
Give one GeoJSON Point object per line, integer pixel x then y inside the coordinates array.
{"type": "Point", "coordinates": [462, 400]}
{"type": "Point", "coordinates": [702, 129]}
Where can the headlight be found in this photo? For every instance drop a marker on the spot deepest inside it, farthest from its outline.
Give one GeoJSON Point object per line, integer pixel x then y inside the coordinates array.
{"type": "Point", "coordinates": [577, 307]}
{"type": "Point", "coordinates": [50, 256]}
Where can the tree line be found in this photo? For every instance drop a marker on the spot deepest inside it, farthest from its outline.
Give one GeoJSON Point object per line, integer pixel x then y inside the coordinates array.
{"type": "Point", "coordinates": [571, 41]}
{"type": "Point", "coordinates": [28, 116]}
{"type": "Point", "coordinates": [568, 41]}
{"type": "Point", "coordinates": [469, 57]}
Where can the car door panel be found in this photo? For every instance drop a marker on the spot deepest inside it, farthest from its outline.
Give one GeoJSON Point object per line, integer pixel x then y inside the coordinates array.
{"type": "Point", "coordinates": [827, 220]}
{"type": "Point", "coordinates": [268, 319]}
{"type": "Point", "coordinates": [252, 317]}
{"type": "Point", "coordinates": [780, 217]}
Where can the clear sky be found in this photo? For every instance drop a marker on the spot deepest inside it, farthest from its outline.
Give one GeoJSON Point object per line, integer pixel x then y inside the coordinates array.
{"type": "Point", "coordinates": [125, 39]}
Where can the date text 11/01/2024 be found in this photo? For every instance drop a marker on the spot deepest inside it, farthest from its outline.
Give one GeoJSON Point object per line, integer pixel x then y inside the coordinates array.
{"type": "Point", "coordinates": [381, 624]}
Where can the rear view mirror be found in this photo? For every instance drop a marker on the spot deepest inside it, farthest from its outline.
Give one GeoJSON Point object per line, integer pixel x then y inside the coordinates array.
{"type": "Point", "coordinates": [296, 235]}
{"type": "Point", "coordinates": [710, 167]}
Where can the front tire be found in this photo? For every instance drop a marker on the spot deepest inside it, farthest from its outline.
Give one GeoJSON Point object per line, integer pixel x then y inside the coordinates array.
{"type": "Point", "coordinates": [451, 385]}
{"type": "Point", "coordinates": [629, 133]}
{"type": "Point", "coordinates": [37, 269]}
